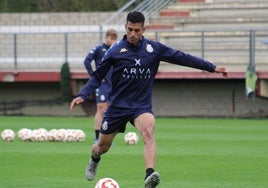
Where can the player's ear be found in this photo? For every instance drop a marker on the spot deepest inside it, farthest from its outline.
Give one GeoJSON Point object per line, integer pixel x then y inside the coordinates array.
{"type": "Point", "coordinates": [143, 29]}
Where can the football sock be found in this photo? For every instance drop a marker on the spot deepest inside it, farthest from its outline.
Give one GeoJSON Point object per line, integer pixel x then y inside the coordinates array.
{"type": "Point", "coordinates": [149, 171]}
{"type": "Point", "coordinates": [96, 160]}
{"type": "Point", "coordinates": [97, 132]}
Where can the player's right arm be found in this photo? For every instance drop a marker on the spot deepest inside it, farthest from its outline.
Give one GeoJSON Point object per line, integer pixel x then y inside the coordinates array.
{"type": "Point", "coordinates": [76, 101]}
{"type": "Point", "coordinates": [88, 60]}
{"type": "Point", "coordinates": [93, 82]}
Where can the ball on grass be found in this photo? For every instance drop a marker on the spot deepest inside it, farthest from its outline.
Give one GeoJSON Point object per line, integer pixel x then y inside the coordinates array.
{"type": "Point", "coordinates": [8, 135]}
{"type": "Point", "coordinates": [107, 183]}
{"type": "Point", "coordinates": [131, 138]}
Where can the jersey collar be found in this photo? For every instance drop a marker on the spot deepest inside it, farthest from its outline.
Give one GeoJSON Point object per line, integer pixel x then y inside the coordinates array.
{"type": "Point", "coordinates": [131, 45]}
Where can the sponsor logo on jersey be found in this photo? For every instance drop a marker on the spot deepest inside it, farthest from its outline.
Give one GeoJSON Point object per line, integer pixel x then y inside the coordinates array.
{"type": "Point", "coordinates": [123, 50]}
{"type": "Point", "coordinates": [137, 71]}
{"type": "Point", "coordinates": [138, 62]}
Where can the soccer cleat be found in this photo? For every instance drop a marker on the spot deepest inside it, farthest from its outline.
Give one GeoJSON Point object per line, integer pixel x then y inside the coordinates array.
{"type": "Point", "coordinates": [91, 170]}
{"type": "Point", "coordinates": [152, 181]}
{"type": "Point", "coordinates": [96, 141]}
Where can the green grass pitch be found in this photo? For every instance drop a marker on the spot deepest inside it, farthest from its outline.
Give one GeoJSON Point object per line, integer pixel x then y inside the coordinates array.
{"type": "Point", "coordinates": [192, 153]}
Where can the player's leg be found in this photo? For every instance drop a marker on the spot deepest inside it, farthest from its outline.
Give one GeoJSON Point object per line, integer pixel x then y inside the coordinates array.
{"type": "Point", "coordinates": [112, 123]}
{"type": "Point", "coordinates": [101, 107]}
{"type": "Point", "coordinates": [99, 148]}
{"type": "Point", "coordinates": [145, 124]}
{"type": "Point", "coordinates": [102, 99]}
{"type": "Point", "coordinates": [105, 142]}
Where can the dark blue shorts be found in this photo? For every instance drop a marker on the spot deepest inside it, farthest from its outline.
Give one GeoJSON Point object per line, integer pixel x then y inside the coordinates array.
{"type": "Point", "coordinates": [116, 119]}
{"type": "Point", "coordinates": [101, 96]}
{"type": "Point", "coordinates": [103, 93]}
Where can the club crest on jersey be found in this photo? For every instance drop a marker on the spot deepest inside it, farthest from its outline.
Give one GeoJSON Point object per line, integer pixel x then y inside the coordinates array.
{"type": "Point", "coordinates": [123, 50]}
{"type": "Point", "coordinates": [104, 49]}
{"type": "Point", "coordinates": [104, 126]}
{"type": "Point", "coordinates": [102, 97]}
{"type": "Point", "coordinates": [149, 48]}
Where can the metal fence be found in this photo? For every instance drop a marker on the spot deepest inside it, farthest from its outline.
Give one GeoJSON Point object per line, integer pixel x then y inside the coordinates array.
{"type": "Point", "coordinates": [235, 49]}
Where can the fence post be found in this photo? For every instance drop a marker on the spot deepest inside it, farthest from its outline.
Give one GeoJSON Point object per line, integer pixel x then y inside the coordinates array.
{"type": "Point", "coordinates": [66, 47]}
{"type": "Point", "coordinates": [251, 75]}
{"type": "Point", "coordinates": [203, 44]}
{"type": "Point", "coordinates": [252, 49]}
{"type": "Point", "coordinates": [15, 53]}
{"type": "Point", "coordinates": [156, 36]}
{"type": "Point", "coordinates": [101, 33]}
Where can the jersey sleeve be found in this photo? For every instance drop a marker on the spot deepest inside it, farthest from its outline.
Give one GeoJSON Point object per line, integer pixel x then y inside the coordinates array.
{"type": "Point", "coordinates": [180, 58]}
{"type": "Point", "coordinates": [96, 79]}
{"type": "Point", "coordinates": [88, 60]}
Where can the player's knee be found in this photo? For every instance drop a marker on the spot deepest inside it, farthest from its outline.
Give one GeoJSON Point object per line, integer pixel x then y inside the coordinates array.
{"type": "Point", "coordinates": [104, 147]}
{"type": "Point", "coordinates": [148, 133]}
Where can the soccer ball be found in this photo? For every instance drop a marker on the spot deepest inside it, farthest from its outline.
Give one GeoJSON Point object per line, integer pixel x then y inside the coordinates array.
{"type": "Point", "coordinates": [24, 134]}
{"type": "Point", "coordinates": [107, 183]}
{"type": "Point", "coordinates": [52, 134]}
{"type": "Point", "coordinates": [41, 135]}
{"type": "Point", "coordinates": [60, 135]}
{"type": "Point", "coordinates": [81, 135]}
{"type": "Point", "coordinates": [8, 135]}
{"type": "Point", "coordinates": [131, 138]}
{"type": "Point", "coordinates": [70, 135]}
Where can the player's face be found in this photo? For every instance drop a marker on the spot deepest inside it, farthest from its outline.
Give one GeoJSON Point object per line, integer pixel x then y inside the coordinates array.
{"type": "Point", "coordinates": [109, 41]}
{"type": "Point", "coordinates": [134, 32]}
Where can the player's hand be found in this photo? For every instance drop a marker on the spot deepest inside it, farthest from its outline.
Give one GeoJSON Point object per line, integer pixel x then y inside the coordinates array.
{"type": "Point", "coordinates": [221, 70]}
{"type": "Point", "coordinates": [76, 101]}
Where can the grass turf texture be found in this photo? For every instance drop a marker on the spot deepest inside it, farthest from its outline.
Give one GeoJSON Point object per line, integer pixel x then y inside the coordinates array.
{"type": "Point", "coordinates": [192, 153]}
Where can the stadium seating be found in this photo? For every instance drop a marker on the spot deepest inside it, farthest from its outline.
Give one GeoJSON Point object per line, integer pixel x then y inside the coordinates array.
{"type": "Point", "coordinates": [227, 25]}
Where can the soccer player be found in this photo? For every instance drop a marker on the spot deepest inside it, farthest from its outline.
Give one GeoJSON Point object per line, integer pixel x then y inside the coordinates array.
{"type": "Point", "coordinates": [102, 93]}
{"type": "Point", "coordinates": [135, 60]}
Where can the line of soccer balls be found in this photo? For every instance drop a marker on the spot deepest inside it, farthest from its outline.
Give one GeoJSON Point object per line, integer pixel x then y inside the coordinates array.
{"type": "Point", "coordinates": [42, 135]}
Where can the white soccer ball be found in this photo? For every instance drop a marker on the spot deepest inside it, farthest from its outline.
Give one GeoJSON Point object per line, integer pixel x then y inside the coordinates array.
{"type": "Point", "coordinates": [60, 135]}
{"type": "Point", "coordinates": [81, 135]}
{"type": "Point", "coordinates": [52, 135]}
{"type": "Point", "coordinates": [70, 135]}
{"type": "Point", "coordinates": [107, 183]}
{"type": "Point", "coordinates": [24, 134]}
{"type": "Point", "coordinates": [8, 135]}
{"type": "Point", "coordinates": [131, 138]}
{"type": "Point", "coordinates": [41, 135]}
{"type": "Point", "coordinates": [33, 136]}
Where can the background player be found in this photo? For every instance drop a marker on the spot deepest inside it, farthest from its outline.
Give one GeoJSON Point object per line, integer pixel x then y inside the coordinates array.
{"type": "Point", "coordinates": [103, 92]}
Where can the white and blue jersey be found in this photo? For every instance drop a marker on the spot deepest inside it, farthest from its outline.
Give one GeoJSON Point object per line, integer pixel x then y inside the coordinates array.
{"type": "Point", "coordinates": [134, 70]}
{"type": "Point", "coordinates": [96, 54]}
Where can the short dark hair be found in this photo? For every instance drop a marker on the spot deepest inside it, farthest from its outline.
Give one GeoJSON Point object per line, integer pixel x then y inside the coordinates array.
{"type": "Point", "coordinates": [135, 17]}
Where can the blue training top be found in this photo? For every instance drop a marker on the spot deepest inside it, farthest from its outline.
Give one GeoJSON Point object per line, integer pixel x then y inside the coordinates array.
{"type": "Point", "coordinates": [97, 54]}
{"type": "Point", "coordinates": [134, 70]}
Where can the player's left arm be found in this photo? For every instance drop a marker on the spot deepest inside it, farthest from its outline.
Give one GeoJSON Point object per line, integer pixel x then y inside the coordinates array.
{"type": "Point", "coordinates": [180, 58]}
